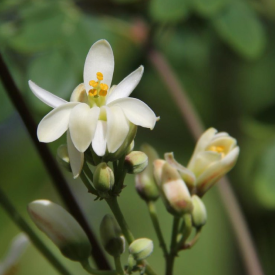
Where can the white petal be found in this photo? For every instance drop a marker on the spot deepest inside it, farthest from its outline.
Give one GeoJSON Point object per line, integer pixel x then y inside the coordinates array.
{"type": "Point", "coordinates": [136, 111]}
{"type": "Point", "coordinates": [55, 123]}
{"type": "Point", "coordinates": [126, 86]}
{"type": "Point", "coordinates": [76, 157]}
{"type": "Point", "coordinates": [117, 128]}
{"type": "Point", "coordinates": [100, 58]}
{"type": "Point", "coordinates": [45, 96]}
{"type": "Point", "coordinates": [100, 138]}
{"type": "Point", "coordinates": [79, 94]}
{"type": "Point", "coordinates": [82, 124]}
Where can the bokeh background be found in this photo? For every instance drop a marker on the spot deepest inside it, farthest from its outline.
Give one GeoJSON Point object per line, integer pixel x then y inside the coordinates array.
{"type": "Point", "coordinates": [223, 52]}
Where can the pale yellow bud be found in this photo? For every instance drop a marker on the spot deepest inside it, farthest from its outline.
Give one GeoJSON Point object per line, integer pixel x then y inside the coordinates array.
{"type": "Point", "coordinates": [135, 162]}
{"type": "Point", "coordinates": [141, 248]}
{"type": "Point", "coordinates": [199, 213]}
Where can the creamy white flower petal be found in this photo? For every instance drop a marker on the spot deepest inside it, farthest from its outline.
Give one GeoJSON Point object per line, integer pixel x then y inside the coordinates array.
{"type": "Point", "coordinates": [55, 123]}
{"type": "Point", "coordinates": [117, 128]}
{"type": "Point", "coordinates": [76, 157]}
{"type": "Point", "coordinates": [82, 125]}
{"type": "Point", "coordinates": [226, 142]}
{"type": "Point", "coordinates": [100, 138]}
{"type": "Point", "coordinates": [79, 94]}
{"type": "Point", "coordinates": [100, 58]}
{"type": "Point", "coordinates": [136, 111]}
{"type": "Point", "coordinates": [45, 96]}
{"type": "Point", "coordinates": [126, 86]}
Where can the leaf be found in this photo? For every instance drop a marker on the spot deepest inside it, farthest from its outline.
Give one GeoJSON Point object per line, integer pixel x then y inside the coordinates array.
{"type": "Point", "coordinates": [169, 11]}
{"type": "Point", "coordinates": [208, 8]}
{"type": "Point", "coordinates": [264, 182]}
{"type": "Point", "coordinates": [239, 26]}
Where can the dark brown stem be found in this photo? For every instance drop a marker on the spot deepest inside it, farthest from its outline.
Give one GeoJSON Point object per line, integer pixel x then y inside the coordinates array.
{"type": "Point", "coordinates": [50, 163]}
{"type": "Point", "coordinates": [191, 118]}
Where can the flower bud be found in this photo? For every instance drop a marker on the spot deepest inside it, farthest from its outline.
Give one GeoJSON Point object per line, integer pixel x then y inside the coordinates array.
{"type": "Point", "coordinates": [135, 162]}
{"type": "Point", "coordinates": [113, 241]}
{"type": "Point", "coordinates": [145, 182]}
{"type": "Point", "coordinates": [103, 179]}
{"type": "Point", "coordinates": [61, 228]}
{"type": "Point", "coordinates": [174, 192]}
{"type": "Point", "coordinates": [124, 148]}
{"type": "Point", "coordinates": [62, 157]}
{"type": "Point", "coordinates": [199, 213]}
{"type": "Point", "coordinates": [141, 248]}
{"type": "Point", "coordinates": [215, 155]}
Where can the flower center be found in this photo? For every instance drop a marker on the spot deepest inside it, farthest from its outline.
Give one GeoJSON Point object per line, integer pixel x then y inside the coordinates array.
{"type": "Point", "coordinates": [218, 149]}
{"type": "Point", "coordinates": [99, 89]}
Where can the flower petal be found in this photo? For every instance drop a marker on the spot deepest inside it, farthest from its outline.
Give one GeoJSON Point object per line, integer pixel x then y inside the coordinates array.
{"type": "Point", "coordinates": [79, 94]}
{"type": "Point", "coordinates": [76, 157]}
{"type": "Point", "coordinates": [55, 123]}
{"type": "Point", "coordinates": [136, 111]}
{"type": "Point", "coordinates": [100, 58]}
{"type": "Point", "coordinates": [117, 128]}
{"type": "Point", "coordinates": [45, 96]}
{"type": "Point", "coordinates": [100, 138]}
{"type": "Point", "coordinates": [82, 125]}
{"type": "Point", "coordinates": [126, 86]}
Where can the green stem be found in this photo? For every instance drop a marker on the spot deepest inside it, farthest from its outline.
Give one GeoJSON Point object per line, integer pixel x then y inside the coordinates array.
{"type": "Point", "coordinates": [113, 204]}
{"type": "Point", "coordinates": [86, 265]}
{"type": "Point", "coordinates": [193, 241]}
{"type": "Point", "coordinates": [172, 254]}
{"type": "Point", "coordinates": [22, 224]}
{"type": "Point", "coordinates": [154, 218]}
{"type": "Point", "coordinates": [88, 172]}
{"type": "Point", "coordinates": [118, 265]}
{"type": "Point", "coordinates": [87, 183]}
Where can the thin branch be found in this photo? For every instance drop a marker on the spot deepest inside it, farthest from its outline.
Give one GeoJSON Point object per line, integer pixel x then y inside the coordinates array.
{"type": "Point", "coordinates": [50, 164]}
{"type": "Point", "coordinates": [191, 118]}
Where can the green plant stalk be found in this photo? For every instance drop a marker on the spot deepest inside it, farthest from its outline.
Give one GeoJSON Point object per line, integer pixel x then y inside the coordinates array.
{"type": "Point", "coordinates": [23, 225]}
{"type": "Point", "coordinates": [193, 241]}
{"type": "Point", "coordinates": [155, 221]}
{"type": "Point", "coordinates": [172, 254]}
{"type": "Point", "coordinates": [88, 172]}
{"type": "Point", "coordinates": [85, 264]}
{"type": "Point", "coordinates": [119, 268]}
{"type": "Point", "coordinates": [87, 183]}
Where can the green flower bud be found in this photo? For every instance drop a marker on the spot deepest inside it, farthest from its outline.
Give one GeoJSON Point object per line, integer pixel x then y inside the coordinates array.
{"type": "Point", "coordinates": [103, 179]}
{"type": "Point", "coordinates": [173, 189]}
{"type": "Point", "coordinates": [141, 248]}
{"type": "Point", "coordinates": [61, 228]}
{"type": "Point", "coordinates": [135, 162]}
{"type": "Point", "coordinates": [199, 213]}
{"type": "Point", "coordinates": [62, 157]}
{"type": "Point", "coordinates": [145, 182]}
{"type": "Point", "coordinates": [112, 239]}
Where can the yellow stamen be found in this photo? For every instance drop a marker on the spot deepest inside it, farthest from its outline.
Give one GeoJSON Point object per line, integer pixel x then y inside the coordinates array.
{"type": "Point", "coordinates": [218, 149]}
{"type": "Point", "coordinates": [99, 76]}
{"type": "Point", "coordinates": [92, 92]}
{"type": "Point", "coordinates": [93, 83]}
{"type": "Point", "coordinates": [102, 92]}
{"type": "Point", "coordinates": [103, 86]}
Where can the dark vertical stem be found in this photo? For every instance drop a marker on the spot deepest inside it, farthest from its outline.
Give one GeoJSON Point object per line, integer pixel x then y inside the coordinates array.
{"type": "Point", "coordinates": [50, 163]}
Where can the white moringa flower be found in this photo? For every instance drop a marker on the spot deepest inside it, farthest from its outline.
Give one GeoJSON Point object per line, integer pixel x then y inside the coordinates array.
{"type": "Point", "coordinates": [96, 114]}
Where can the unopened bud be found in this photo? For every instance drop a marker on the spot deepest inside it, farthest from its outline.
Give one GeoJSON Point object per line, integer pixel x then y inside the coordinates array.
{"type": "Point", "coordinates": [112, 239]}
{"type": "Point", "coordinates": [199, 213]}
{"type": "Point", "coordinates": [141, 248]}
{"type": "Point", "coordinates": [145, 182]}
{"type": "Point", "coordinates": [103, 179]}
{"type": "Point", "coordinates": [62, 157]}
{"type": "Point", "coordinates": [173, 189]}
{"type": "Point", "coordinates": [61, 228]}
{"type": "Point", "coordinates": [135, 162]}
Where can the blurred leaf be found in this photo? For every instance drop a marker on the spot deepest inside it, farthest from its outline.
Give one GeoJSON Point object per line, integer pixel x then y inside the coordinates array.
{"type": "Point", "coordinates": [265, 177]}
{"type": "Point", "coordinates": [239, 26]}
{"type": "Point", "coordinates": [54, 72]}
{"type": "Point", "coordinates": [168, 11]}
{"type": "Point", "coordinates": [125, 1]}
{"type": "Point", "coordinates": [6, 106]}
{"type": "Point", "coordinates": [208, 8]}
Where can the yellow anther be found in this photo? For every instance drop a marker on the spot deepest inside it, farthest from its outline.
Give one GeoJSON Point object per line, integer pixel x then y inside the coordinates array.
{"type": "Point", "coordinates": [92, 92]}
{"type": "Point", "coordinates": [102, 92]}
{"type": "Point", "coordinates": [93, 83]}
{"type": "Point", "coordinates": [99, 76]}
{"type": "Point", "coordinates": [103, 86]}
{"type": "Point", "coordinates": [218, 149]}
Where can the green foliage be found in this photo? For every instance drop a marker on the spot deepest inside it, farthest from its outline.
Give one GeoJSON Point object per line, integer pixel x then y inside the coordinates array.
{"type": "Point", "coordinates": [209, 8]}
{"type": "Point", "coordinates": [239, 26]}
{"type": "Point", "coordinates": [168, 11]}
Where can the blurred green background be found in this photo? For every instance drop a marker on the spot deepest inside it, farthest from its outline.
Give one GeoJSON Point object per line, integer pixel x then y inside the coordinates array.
{"type": "Point", "coordinates": [223, 52]}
